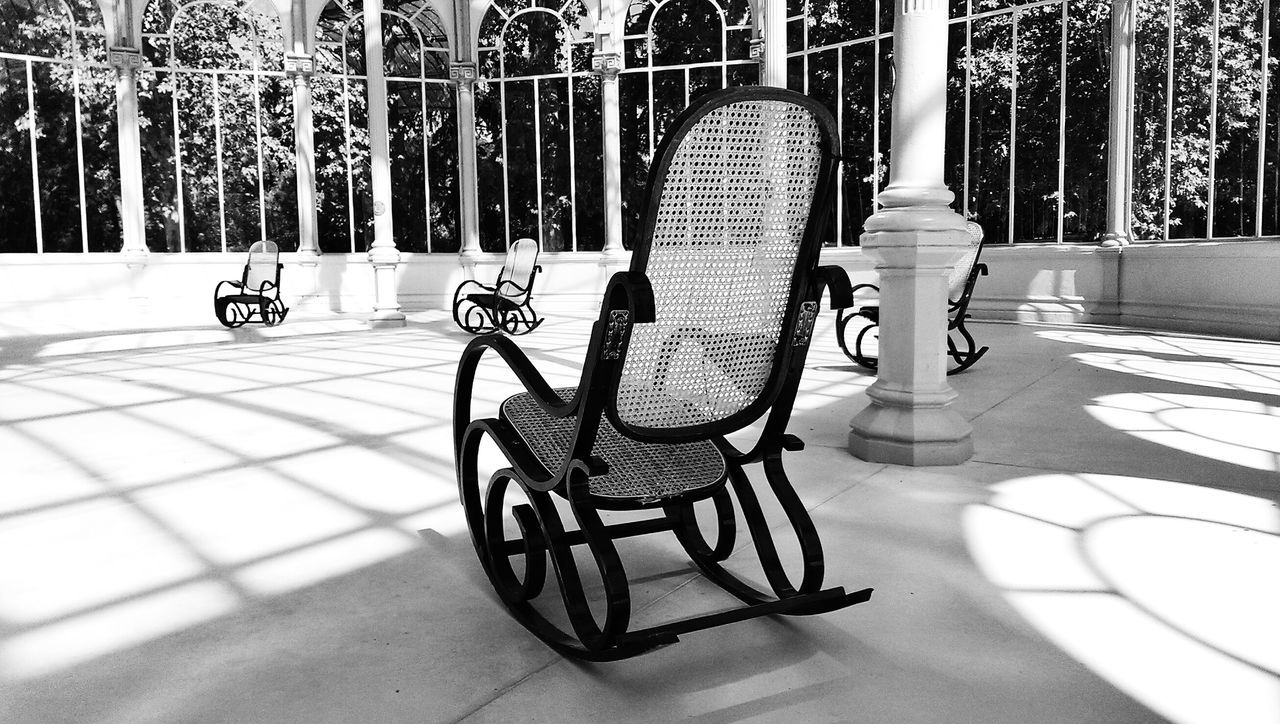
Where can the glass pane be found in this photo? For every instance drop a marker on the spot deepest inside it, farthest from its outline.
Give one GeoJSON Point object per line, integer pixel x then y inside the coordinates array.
{"type": "Point", "coordinates": [17, 205]}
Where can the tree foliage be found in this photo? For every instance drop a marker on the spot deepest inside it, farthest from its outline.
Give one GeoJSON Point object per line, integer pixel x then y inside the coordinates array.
{"type": "Point", "coordinates": [1026, 149]}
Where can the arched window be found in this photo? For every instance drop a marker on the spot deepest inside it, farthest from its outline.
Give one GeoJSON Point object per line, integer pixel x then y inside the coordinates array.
{"type": "Point", "coordinates": [674, 51]}
{"type": "Point", "coordinates": [58, 150]}
{"type": "Point", "coordinates": [217, 128]}
{"type": "Point", "coordinates": [538, 128]}
{"type": "Point", "coordinates": [422, 120]}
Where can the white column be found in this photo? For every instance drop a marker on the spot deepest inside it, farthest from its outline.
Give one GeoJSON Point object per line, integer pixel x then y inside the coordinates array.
{"type": "Point", "coordinates": [770, 47]}
{"type": "Point", "coordinates": [463, 73]}
{"type": "Point", "coordinates": [300, 68]}
{"type": "Point", "coordinates": [383, 254]}
{"type": "Point", "coordinates": [464, 77]}
{"type": "Point", "coordinates": [1120, 126]}
{"type": "Point", "coordinates": [606, 63]}
{"type": "Point", "coordinates": [126, 61]}
{"type": "Point", "coordinates": [915, 239]}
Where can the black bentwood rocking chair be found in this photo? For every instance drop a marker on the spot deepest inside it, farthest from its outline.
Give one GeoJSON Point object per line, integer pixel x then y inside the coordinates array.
{"type": "Point", "coordinates": [257, 294]}
{"type": "Point", "coordinates": [959, 290]}
{"type": "Point", "coordinates": [705, 334]}
{"type": "Point", "coordinates": [505, 306]}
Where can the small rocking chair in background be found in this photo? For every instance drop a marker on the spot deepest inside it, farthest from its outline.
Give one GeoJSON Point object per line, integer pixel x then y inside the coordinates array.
{"type": "Point", "coordinates": [960, 284]}
{"type": "Point", "coordinates": [505, 306]}
{"type": "Point", "coordinates": [706, 334]}
{"type": "Point", "coordinates": [256, 297]}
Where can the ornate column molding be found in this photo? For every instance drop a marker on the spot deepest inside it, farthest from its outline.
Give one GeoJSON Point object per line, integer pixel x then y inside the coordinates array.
{"type": "Point", "coordinates": [463, 74]}
{"type": "Point", "coordinates": [921, 7]}
{"type": "Point", "coordinates": [606, 64]}
{"type": "Point", "coordinates": [299, 66]}
{"type": "Point", "coordinates": [124, 58]}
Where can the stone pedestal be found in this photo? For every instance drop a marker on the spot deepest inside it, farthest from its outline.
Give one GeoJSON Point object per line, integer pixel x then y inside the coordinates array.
{"type": "Point", "coordinates": [910, 420]}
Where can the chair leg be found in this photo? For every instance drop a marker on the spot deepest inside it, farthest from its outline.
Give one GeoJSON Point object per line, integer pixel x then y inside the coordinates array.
{"type": "Point", "coordinates": [858, 356]}
{"type": "Point", "coordinates": [967, 357]}
{"type": "Point", "coordinates": [542, 536]}
{"type": "Point", "coordinates": [808, 596]}
{"type": "Point", "coordinates": [521, 320]}
{"type": "Point", "coordinates": [474, 318]}
{"type": "Point", "coordinates": [272, 312]}
{"type": "Point", "coordinates": [231, 314]}
{"type": "Point", "coordinates": [855, 355]}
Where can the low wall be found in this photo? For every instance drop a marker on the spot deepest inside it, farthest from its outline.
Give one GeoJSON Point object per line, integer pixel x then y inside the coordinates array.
{"type": "Point", "coordinates": [1228, 287]}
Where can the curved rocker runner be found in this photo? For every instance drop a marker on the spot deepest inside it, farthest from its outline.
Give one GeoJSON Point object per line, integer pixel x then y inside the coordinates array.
{"type": "Point", "coordinates": [704, 335]}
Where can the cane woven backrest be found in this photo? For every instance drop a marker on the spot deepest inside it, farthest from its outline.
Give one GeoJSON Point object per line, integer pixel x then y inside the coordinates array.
{"type": "Point", "coordinates": [729, 206]}
{"type": "Point", "coordinates": [522, 256]}
{"type": "Point", "coordinates": [960, 274]}
{"type": "Point", "coordinates": [263, 257]}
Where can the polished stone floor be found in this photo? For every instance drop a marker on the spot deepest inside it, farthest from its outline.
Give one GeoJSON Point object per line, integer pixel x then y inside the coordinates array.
{"type": "Point", "coordinates": [198, 525]}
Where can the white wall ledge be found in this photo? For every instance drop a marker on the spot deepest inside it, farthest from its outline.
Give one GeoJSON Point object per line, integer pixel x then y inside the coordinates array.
{"type": "Point", "coordinates": [1216, 286]}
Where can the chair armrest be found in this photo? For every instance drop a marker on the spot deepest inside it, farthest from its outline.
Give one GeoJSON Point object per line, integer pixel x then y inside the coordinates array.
{"type": "Point", "coordinates": [515, 290]}
{"type": "Point", "coordinates": [217, 291]}
{"type": "Point", "coordinates": [465, 286]}
{"type": "Point", "coordinates": [859, 287]}
{"type": "Point", "coordinates": [836, 280]}
{"type": "Point", "coordinates": [631, 291]}
{"type": "Point", "coordinates": [981, 268]}
{"type": "Point", "coordinates": [518, 362]}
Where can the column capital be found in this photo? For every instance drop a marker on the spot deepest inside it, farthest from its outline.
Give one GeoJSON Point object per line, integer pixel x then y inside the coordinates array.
{"type": "Point", "coordinates": [921, 7]}
{"type": "Point", "coordinates": [299, 65]}
{"type": "Point", "coordinates": [124, 58]}
{"type": "Point", "coordinates": [463, 73]}
{"type": "Point", "coordinates": [755, 49]}
{"type": "Point", "coordinates": [606, 64]}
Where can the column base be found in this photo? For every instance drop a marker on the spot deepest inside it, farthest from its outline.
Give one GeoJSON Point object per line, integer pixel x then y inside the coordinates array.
{"type": "Point", "coordinates": [385, 320]}
{"type": "Point", "coordinates": [1113, 240]}
{"type": "Point", "coordinates": [910, 436]}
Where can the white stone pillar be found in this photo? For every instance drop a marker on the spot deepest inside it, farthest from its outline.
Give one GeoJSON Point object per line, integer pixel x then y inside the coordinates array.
{"type": "Point", "coordinates": [606, 63]}
{"type": "Point", "coordinates": [126, 61]}
{"type": "Point", "coordinates": [915, 239]}
{"type": "Point", "coordinates": [464, 77]}
{"type": "Point", "coordinates": [463, 73]}
{"type": "Point", "coordinates": [1119, 231]}
{"type": "Point", "coordinates": [770, 46]}
{"type": "Point", "coordinates": [383, 254]}
{"type": "Point", "coordinates": [300, 67]}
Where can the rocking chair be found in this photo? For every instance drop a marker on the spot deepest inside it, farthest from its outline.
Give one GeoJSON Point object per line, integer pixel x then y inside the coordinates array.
{"type": "Point", "coordinates": [257, 295]}
{"type": "Point", "coordinates": [505, 306]}
{"type": "Point", "coordinates": [959, 290]}
{"type": "Point", "coordinates": [706, 334]}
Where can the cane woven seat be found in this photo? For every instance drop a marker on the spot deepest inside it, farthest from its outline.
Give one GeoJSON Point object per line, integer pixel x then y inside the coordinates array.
{"type": "Point", "coordinates": [637, 471]}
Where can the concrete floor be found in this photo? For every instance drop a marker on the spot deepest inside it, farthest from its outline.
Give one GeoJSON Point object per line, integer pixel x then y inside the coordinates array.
{"type": "Point", "coordinates": [205, 526]}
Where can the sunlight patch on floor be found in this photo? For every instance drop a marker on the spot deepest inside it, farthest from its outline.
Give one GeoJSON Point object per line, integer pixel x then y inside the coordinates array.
{"type": "Point", "coordinates": [1174, 604]}
{"type": "Point", "coordinates": [1264, 379]}
{"type": "Point", "coordinates": [1243, 432]}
